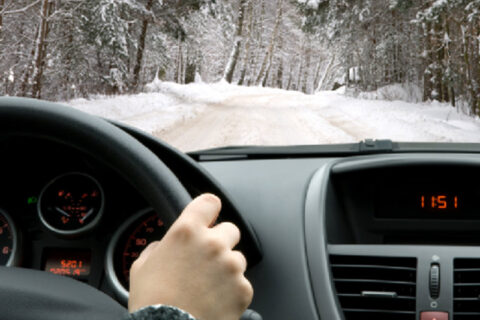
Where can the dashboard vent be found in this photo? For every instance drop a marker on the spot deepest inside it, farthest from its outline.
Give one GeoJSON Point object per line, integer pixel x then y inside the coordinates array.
{"type": "Point", "coordinates": [466, 290]}
{"type": "Point", "coordinates": [375, 288]}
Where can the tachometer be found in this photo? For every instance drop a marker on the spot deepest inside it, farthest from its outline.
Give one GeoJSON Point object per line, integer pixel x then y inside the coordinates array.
{"type": "Point", "coordinates": [8, 241]}
{"type": "Point", "coordinates": [71, 204]}
{"type": "Point", "coordinates": [126, 245]}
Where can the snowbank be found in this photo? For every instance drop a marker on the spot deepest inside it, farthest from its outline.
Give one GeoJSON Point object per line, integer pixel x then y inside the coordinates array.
{"type": "Point", "coordinates": [148, 111]}
{"type": "Point", "coordinates": [401, 92]}
{"type": "Point", "coordinates": [402, 121]}
{"type": "Point", "coordinates": [211, 93]}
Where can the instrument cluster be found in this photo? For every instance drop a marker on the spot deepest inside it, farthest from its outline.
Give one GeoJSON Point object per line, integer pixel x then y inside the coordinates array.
{"type": "Point", "coordinates": [74, 229]}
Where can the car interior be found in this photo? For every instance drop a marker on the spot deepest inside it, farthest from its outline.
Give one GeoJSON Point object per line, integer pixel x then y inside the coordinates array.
{"type": "Point", "coordinates": [374, 230]}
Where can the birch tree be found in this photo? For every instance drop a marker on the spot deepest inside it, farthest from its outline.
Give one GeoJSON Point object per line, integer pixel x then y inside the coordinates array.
{"type": "Point", "coordinates": [269, 54]}
{"type": "Point", "coordinates": [237, 43]}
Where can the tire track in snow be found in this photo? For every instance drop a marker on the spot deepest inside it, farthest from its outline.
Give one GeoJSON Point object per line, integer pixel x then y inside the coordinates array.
{"type": "Point", "coordinates": [267, 119]}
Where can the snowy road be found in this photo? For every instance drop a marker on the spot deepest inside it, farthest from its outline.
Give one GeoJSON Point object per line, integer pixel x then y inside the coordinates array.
{"type": "Point", "coordinates": [261, 120]}
{"type": "Point", "coordinates": [200, 116]}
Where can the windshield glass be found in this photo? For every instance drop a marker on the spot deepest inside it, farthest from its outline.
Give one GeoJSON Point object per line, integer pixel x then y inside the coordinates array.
{"type": "Point", "coordinates": [204, 73]}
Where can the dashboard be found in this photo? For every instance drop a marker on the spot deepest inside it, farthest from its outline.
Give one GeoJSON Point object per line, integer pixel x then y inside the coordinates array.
{"type": "Point", "coordinates": [381, 236]}
{"type": "Point", "coordinates": [369, 247]}
{"type": "Point", "coordinates": [60, 212]}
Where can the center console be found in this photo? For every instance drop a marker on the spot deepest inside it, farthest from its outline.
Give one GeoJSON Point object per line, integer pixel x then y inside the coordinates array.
{"type": "Point", "coordinates": [398, 235]}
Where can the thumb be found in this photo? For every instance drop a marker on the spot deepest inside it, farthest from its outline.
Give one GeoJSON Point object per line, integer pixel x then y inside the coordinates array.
{"type": "Point", "coordinates": [203, 210]}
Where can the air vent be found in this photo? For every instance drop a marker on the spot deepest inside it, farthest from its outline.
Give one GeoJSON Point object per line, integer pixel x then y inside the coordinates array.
{"type": "Point", "coordinates": [466, 293]}
{"type": "Point", "coordinates": [375, 288]}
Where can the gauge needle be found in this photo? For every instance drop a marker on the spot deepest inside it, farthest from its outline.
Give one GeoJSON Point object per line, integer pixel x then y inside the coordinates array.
{"type": "Point", "coordinates": [62, 212]}
{"type": "Point", "coordinates": [87, 215]}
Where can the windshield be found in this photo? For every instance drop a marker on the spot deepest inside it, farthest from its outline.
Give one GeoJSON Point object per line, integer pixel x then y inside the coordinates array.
{"type": "Point", "coordinates": [203, 73]}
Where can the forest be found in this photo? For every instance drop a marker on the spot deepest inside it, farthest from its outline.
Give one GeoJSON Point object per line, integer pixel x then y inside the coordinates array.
{"type": "Point", "coordinates": [65, 49]}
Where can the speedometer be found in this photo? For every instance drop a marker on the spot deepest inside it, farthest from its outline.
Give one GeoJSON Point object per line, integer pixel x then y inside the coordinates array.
{"type": "Point", "coordinates": [8, 241]}
{"type": "Point", "coordinates": [126, 245]}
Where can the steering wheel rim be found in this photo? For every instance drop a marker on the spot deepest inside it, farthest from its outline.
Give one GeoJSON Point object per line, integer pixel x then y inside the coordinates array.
{"type": "Point", "coordinates": [103, 141]}
{"type": "Point", "coordinates": [106, 143]}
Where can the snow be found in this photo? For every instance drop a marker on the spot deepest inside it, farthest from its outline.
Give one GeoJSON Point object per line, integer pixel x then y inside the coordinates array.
{"type": "Point", "coordinates": [403, 121]}
{"type": "Point", "coordinates": [402, 92]}
{"type": "Point", "coordinates": [313, 4]}
{"type": "Point", "coordinates": [354, 74]}
{"type": "Point", "coordinates": [148, 111]}
{"type": "Point", "coordinates": [11, 76]}
{"type": "Point", "coordinates": [201, 115]}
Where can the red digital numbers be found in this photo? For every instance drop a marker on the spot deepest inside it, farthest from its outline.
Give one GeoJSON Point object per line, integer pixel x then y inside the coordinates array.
{"type": "Point", "coordinates": [70, 267]}
{"type": "Point", "coordinates": [74, 267]}
{"type": "Point", "coordinates": [71, 263]}
{"type": "Point", "coordinates": [439, 202]}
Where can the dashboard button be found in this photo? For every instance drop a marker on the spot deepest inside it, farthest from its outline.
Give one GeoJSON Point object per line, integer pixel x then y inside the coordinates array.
{"type": "Point", "coordinates": [434, 315]}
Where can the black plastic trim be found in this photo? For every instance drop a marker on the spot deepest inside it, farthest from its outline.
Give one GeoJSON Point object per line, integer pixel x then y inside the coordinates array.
{"type": "Point", "coordinates": [360, 163]}
{"type": "Point", "coordinates": [328, 306]}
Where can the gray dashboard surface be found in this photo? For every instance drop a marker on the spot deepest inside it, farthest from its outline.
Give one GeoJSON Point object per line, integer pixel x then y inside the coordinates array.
{"type": "Point", "coordinates": [271, 196]}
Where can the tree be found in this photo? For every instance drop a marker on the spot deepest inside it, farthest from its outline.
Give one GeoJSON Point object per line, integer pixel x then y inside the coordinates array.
{"type": "Point", "coordinates": [237, 42]}
{"type": "Point", "coordinates": [141, 45]}
{"type": "Point", "coordinates": [262, 74]}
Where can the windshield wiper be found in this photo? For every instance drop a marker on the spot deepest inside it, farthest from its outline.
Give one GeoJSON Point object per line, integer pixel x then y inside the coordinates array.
{"type": "Point", "coordinates": [298, 151]}
{"type": "Point", "coordinates": [331, 150]}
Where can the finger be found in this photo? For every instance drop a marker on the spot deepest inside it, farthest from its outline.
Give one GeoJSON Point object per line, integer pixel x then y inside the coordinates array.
{"type": "Point", "coordinates": [246, 294]}
{"type": "Point", "coordinates": [228, 233]}
{"type": "Point", "coordinates": [203, 210]}
{"type": "Point", "coordinates": [240, 259]}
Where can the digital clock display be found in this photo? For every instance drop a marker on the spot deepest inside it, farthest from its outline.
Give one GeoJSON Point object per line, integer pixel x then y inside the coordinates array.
{"type": "Point", "coordinates": [73, 263]}
{"type": "Point", "coordinates": [439, 202]}
{"type": "Point", "coordinates": [426, 202]}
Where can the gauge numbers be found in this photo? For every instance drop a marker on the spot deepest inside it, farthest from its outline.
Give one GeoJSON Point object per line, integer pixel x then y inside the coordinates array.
{"type": "Point", "coordinates": [126, 245]}
{"type": "Point", "coordinates": [8, 241]}
{"type": "Point", "coordinates": [71, 204]}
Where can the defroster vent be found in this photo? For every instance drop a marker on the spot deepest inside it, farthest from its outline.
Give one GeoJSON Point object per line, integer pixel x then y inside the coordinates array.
{"type": "Point", "coordinates": [466, 292]}
{"type": "Point", "coordinates": [375, 288]}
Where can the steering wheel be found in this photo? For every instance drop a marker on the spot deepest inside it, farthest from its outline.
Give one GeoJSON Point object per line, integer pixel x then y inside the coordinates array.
{"type": "Point", "coordinates": [32, 294]}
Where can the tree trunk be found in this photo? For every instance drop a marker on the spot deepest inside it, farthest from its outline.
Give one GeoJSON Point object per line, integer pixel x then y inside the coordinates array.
{"type": "Point", "coordinates": [260, 47]}
{"type": "Point", "coordinates": [190, 72]}
{"type": "Point", "coordinates": [141, 46]}
{"type": "Point", "coordinates": [299, 76]}
{"type": "Point", "coordinates": [427, 74]}
{"type": "Point", "coordinates": [316, 79]}
{"type": "Point", "coordinates": [2, 4]}
{"type": "Point", "coordinates": [308, 55]}
{"type": "Point", "coordinates": [232, 62]}
{"type": "Point", "coordinates": [321, 82]}
{"type": "Point", "coordinates": [290, 77]}
{"type": "Point", "coordinates": [280, 75]}
{"type": "Point", "coordinates": [179, 73]}
{"type": "Point", "coordinates": [246, 58]}
{"type": "Point", "coordinates": [267, 74]}
{"type": "Point", "coordinates": [475, 65]}
{"type": "Point", "coordinates": [269, 53]}
{"type": "Point", "coordinates": [40, 50]}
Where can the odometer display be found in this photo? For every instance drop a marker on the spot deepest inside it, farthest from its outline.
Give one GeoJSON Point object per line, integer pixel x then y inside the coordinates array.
{"type": "Point", "coordinates": [68, 262]}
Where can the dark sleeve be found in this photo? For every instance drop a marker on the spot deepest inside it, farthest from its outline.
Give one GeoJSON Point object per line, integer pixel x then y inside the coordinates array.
{"type": "Point", "coordinates": [159, 312]}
